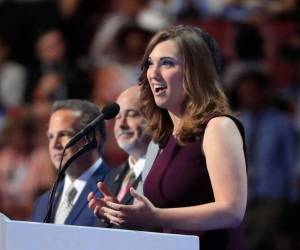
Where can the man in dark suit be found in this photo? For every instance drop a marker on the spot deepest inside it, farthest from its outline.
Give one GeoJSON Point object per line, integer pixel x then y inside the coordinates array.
{"type": "Point", "coordinates": [129, 130]}
{"type": "Point", "coordinates": [70, 206]}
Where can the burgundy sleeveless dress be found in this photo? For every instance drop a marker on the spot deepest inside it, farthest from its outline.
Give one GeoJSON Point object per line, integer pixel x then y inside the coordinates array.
{"type": "Point", "coordinates": [179, 178]}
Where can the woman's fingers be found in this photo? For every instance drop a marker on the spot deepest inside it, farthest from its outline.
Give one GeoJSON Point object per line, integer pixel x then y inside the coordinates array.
{"type": "Point", "coordinates": [106, 193]}
{"type": "Point", "coordinates": [141, 198]}
{"type": "Point", "coordinates": [104, 190]}
{"type": "Point", "coordinates": [115, 206]}
{"type": "Point", "coordinates": [114, 216]}
{"type": "Point", "coordinates": [125, 209]}
{"type": "Point", "coordinates": [90, 196]}
{"type": "Point", "coordinates": [95, 204]}
{"type": "Point", "coordinates": [113, 212]}
{"type": "Point", "coordinates": [138, 196]}
{"type": "Point", "coordinates": [114, 220]}
{"type": "Point", "coordinates": [96, 210]}
{"type": "Point", "coordinates": [91, 202]}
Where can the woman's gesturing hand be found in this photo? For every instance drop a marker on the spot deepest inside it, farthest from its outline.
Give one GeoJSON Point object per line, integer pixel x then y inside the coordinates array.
{"type": "Point", "coordinates": [95, 203]}
{"type": "Point", "coordinates": [141, 214]}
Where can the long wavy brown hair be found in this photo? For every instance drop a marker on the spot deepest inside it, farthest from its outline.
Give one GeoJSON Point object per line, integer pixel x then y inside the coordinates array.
{"type": "Point", "coordinates": [203, 96]}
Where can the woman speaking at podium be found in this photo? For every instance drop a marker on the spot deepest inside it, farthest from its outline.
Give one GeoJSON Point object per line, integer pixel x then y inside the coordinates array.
{"type": "Point", "coordinates": [197, 184]}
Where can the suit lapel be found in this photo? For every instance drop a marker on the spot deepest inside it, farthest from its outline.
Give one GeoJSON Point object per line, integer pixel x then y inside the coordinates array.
{"type": "Point", "coordinates": [114, 182]}
{"type": "Point", "coordinates": [128, 199]}
{"type": "Point", "coordinates": [116, 177]}
{"type": "Point", "coordinates": [152, 152]}
{"type": "Point", "coordinates": [91, 186]}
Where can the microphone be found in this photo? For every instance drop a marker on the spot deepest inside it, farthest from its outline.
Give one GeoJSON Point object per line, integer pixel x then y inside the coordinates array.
{"type": "Point", "coordinates": [107, 113]}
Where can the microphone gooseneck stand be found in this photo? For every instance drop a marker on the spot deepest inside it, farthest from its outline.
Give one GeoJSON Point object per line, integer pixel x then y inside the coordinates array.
{"type": "Point", "coordinates": [89, 145]}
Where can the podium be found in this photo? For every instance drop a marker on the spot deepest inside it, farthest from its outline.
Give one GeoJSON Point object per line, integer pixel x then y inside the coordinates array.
{"type": "Point", "coordinates": [21, 235]}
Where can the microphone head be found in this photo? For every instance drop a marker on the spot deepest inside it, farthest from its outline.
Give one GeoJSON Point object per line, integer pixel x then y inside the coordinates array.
{"type": "Point", "coordinates": [110, 111]}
